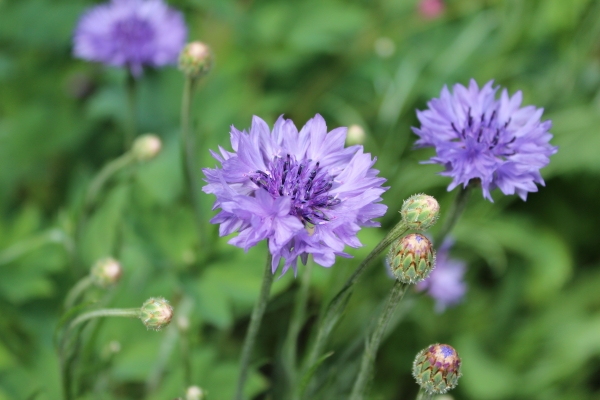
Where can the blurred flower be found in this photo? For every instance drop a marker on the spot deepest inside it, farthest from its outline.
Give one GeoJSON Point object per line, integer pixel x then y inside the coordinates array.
{"type": "Point", "coordinates": [303, 191]}
{"type": "Point", "coordinates": [131, 33]}
{"type": "Point", "coordinates": [356, 135]}
{"type": "Point", "coordinates": [106, 272]}
{"type": "Point", "coordinates": [194, 393]}
{"type": "Point", "coordinates": [495, 142]}
{"type": "Point", "coordinates": [156, 313]}
{"type": "Point", "coordinates": [431, 9]}
{"type": "Point", "coordinates": [195, 59]}
{"type": "Point", "coordinates": [146, 147]}
{"type": "Point", "coordinates": [445, 283]}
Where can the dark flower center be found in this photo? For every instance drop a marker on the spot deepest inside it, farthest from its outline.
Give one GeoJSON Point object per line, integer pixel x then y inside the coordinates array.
{"type": "Point", "coordinates": [132, 35]}
{"type": "Point", "coordinates": [486, 134]}
{"type": "Point", "coordinates": [304, 182]}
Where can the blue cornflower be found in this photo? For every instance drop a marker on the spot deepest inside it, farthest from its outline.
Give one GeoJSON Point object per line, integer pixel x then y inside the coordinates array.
{"type": "Point", "coordinates": [477, 137]}
{"type": "Point", "coordinates": [302, 191]}
{"type": "Point", "coordinates": [131, 33]}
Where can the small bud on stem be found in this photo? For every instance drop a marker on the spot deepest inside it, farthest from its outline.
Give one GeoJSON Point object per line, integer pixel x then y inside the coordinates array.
{"type": "Point", "coordinates": [411, 258]}
{"type": "Point", "coordinates": [156, 313]}
{"type": "Point", "coordinates": [195, 60]}
{"type": "Point", "coordinates": [420, 212]}
{"type": "Point", "coordinates": [146, 147]}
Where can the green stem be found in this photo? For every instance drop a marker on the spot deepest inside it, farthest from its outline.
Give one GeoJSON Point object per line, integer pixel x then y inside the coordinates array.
{"type": "Point", "coordinates": [110, 169]}
{"type": "Point", "coordinates": [423, 395]}
{"type": "Point", "coordinates": [131, 128]}
{"type": "Point", "coordinates": [188, 157]}
{"type": "Point", "coordinates": [255, 320]}
{"type": "Point", "coordinates": [368, 359]}
{"type": "Point", "coordinates": [290, 348]}
{"type": "Point", "coordinates": [456, 210]}
{"type": "Point", "coordinates": [105, 312]}
{"type": "Point", "coordinates": [77, 291]}
{"type": "Point", "coordinates": [338, 303]}
{"type": "Point", "coordinates": [19, 249]}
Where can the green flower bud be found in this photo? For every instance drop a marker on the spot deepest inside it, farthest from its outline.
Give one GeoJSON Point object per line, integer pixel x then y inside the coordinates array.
{"type": "Point", "coordinates": [195, 60]}
{"type": "Point", "coordinates": [420, 212]}
{"type": "Point", "coordinates": [156, 313]}
{"type": "Point", "coordinates": [146, 147]}
{"type": "Point", "coordinates": [411, 258]}
{"type": "Point", "coordinates": [194, 393]}
{"type": "Point", "coordinates": [437, 368]}
{"type": "Point", "coordinates": [355, 135]}
{"type": "Point", "coordinates": [106, 272]}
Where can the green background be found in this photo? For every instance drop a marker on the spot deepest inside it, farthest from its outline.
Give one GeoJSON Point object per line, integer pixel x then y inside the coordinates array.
{"type": "Point", "coordinates": [529, 326]}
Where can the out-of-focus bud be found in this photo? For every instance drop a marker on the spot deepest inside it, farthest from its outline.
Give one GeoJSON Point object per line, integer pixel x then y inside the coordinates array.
{"type": "Point", "coordinates": [420, 212]}
{"type": "Point", "coordinates": [437, 368]}
{"type": "Point", "coordinates": [146, 147]}
{"type": "Point", "coordinates": [384, 47]}
{"type": "Point", "coordinates": [183, 323]}
{"type": "Point", "coordinates": [106, 272]}
{"type": "Point", "coordinates": [355, 135]}
{"type": "Point", "coordinates": [195, 59]}
{"type": "Point", "coordinates": [411, 258]}
{"type": "Point", "coordinates": [156, 313]}
{"type": "Point", "coordinates": [431, 9]}
{"type": "Point", "coordinates": [194, 393]}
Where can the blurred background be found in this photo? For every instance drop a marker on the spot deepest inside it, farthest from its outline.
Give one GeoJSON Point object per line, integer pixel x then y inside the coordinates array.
{"type": "Point", "coordinates": [529, 324]}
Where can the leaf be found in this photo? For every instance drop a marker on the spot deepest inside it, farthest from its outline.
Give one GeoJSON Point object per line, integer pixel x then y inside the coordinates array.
{"type": "Point", "coordinates": [311, 371]}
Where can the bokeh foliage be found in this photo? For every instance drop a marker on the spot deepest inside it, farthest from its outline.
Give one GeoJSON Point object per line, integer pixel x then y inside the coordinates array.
{"type": "Point", "coordinates": [529, 327]}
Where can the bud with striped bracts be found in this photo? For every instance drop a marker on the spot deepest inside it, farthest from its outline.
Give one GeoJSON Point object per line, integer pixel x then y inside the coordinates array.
{"type": "Point", "coordinates": [437, 368]}
{"type": "Point", "coordinates": [420, 212]}
{"type": "Point", "coordinates": [106, 272]}
{"type": "Point", "coordinates": [411, 258]}
{"type": "Point", "coordinates": [156, 313]}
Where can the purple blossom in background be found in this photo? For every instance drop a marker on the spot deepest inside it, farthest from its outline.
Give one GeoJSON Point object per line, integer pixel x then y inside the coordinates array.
{"type": "Point", "coordinates": [445, 283]}
{"type": "Point", "coordinates": [496, 142]}
{"type": "Point", "coordinates": [131, 33]}
{"type": "Point", "coordinates": [303, 191]}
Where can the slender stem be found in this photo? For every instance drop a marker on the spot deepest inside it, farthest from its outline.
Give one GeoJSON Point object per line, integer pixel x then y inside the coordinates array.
{"type": "Point", "coordinates": [338, 303]}
{"type": "Point", "coordinates": [105, 312]}
{"type": "Point", "coordinates": [368, 359]}
{"type": "Point", "coordinates": [77, 290]}
{"type": "Point", "coordinates": [456, 210]}
{"type": "Point", "coordinates": [21, 248]}
{"type": "Point", "coordinates": [255, 320]}
{"type": "Point", "coordinates": [131, 128]}
{"type": "Point", "coordinates": [423, 395]}
{"type": "Point", "coordinates": [188, 158]}
{"type": "Point", "coordinates": [110, 169]}
{"type": "Point", "coordinates": [290, 348]}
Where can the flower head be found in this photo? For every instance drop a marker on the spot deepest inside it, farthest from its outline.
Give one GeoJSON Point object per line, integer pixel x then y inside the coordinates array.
{"type": "Point", "coordinates": [437, 368]}
{"type": "Point", "coordinates": [411, 258]}
{"type": "Point", "coordinates": [131, 33]}
{"type": "Point", "coordinates": [445, 283]}
{"type": "Point", "coordinates": [477, 137]}
{"type": "Point", "coordinates": [156, 313]}
{"type": "Point", "coordinates": [302, 191]}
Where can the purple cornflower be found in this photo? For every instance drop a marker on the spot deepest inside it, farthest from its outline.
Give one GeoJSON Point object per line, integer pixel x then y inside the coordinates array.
{"type": "Point", "coordinates": [445, 283]}
{"type": "Point", "coordinates": [131, 33]}
{"type": "Point", "coordinates": [303, 191]}
{"type": "Point", "coordinates": [495, 142]}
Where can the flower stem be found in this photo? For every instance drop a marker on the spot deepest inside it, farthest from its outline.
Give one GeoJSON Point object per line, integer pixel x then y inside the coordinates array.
{"type": "Point", "coordinates": [188, 158]}
{"type": "Point", "coordinates": [290, 347]}
{"type": "Point", "coordinates": [104, 175]}
{"type": "Point", "coordinates": [131, 128]}
{"type": "Point", "coordinates": [251, 333]}
{"type": "Point", "coordinates": [338, 303]}
{"type": "Point", "coordinates": [423, 395]}
{"type": "Point", "coordinates": [456, 210]}
{"type": "Point", "coordinates": [77, 291]}
{"type": "Point", "coordinates": [105, 312]}
{"type": "Point", "coordinates": [368, 359]}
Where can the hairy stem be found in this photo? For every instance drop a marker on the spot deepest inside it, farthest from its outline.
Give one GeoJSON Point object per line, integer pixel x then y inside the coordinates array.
{"type": "Point", "coordinates": [456, 210]}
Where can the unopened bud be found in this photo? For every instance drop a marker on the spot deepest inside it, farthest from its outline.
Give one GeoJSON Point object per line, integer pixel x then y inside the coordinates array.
{"type": "Point", "coordinates": [195, 59]}
{"type": "Point", "coordinates": [355, 135]}
{"type": "Point", "coordinates": [194, 393]}
{"type": "Point", "coordinates": [420, 212]}
{"type": "Point", "coordinates": [106, 272]}
{"type": "Point", "coordinates": [437, 368]}
{"type": "Point", "coordinates": [156, 313]}
{"type": "Point", "coordinates": [411, 258]}
{"type": "Point", "coordinates": [183, 323]}
{"type": "Point", "coordinates": [146, 147]}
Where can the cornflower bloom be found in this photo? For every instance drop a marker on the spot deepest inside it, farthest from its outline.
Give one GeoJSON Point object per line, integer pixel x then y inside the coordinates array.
{"type": "Point", "coordinates": [131, 33]}
{"type": "Point", "coordinates": [477, 137]}
{"type": "Point", "coordinates": [303, 191]}
{"type": "Point", "coordinates": [445, 283]}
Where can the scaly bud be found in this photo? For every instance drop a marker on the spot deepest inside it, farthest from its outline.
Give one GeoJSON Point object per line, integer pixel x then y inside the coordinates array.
{"type": "Point", "coordinates": [411, 258]}
{"type": "Point", "coordinates": [420, 212]}
{"type": "Point", "coordinates": [156, 313]}
{"type": "Point", "coordinates": [437, 368]}
{"type": "Point", "coordinates": [195, 60]}
{"type": "Point", "coordinates": [106, 272]}
{"type": "Point", "coordinates": [194, 393]}
{"type": "Point", "coordinates": [146, 147]}
{"type": "Point", "coordinates": [355, 135]}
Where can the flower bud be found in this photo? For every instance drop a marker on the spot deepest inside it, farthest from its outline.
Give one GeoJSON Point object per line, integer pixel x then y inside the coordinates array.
{"type": "Point", "coordinates": [194, 393]}
{"type": "Point", "coordinates": [195, 60]}
{"type": "Point", "coordinates": [420, 212]}
{"type": "Point", "coordinates": [156, 313]}
{"type": "Point", "coordinates": [355, 135]}
{"type": "Point", "coordinates": [437, 368]}
{"type": "Point", "coordinates": [411, 258]}
{"type": "Point", "coordinates": [146, 147]}
{"type": "Point", "coordinates": [106, 272]}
